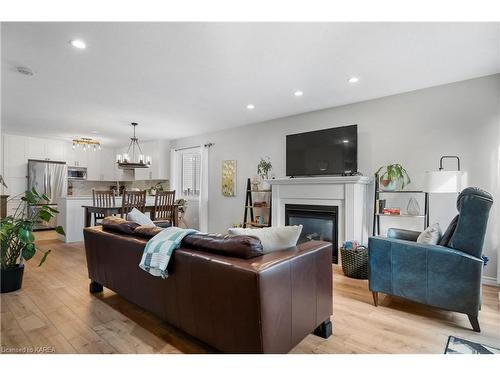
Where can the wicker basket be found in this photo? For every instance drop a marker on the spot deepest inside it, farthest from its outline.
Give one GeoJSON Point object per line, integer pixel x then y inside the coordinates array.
{"type": "Point", "coordinates": [355, 263]}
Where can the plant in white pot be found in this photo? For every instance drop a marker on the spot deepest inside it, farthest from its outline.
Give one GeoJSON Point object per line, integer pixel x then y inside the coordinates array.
{"type": "Point", "coordinates": [17, 240]}
{"type": "Point", "coordinates": [263, 169]}
{"type": "Point", "coordinates": [392, 177]}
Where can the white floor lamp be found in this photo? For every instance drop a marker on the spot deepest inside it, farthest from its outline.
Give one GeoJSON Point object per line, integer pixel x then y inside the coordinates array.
{"type": "Point", "coordinates": [442, 181]}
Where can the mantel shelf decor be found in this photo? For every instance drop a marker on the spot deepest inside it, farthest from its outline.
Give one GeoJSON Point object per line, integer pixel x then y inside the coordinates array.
{"type": "Point", "coordinates": [127, 161]}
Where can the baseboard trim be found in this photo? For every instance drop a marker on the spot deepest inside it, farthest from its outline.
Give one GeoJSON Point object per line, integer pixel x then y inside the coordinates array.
{"type": "Point", "coordinates": [488, 280]}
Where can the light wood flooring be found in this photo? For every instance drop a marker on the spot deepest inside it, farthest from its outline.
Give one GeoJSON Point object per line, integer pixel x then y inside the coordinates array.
{"type": "Point", "coordinates": [54, 312]}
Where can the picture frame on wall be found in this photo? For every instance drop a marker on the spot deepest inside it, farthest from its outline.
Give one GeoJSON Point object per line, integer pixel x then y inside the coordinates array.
{"type": "Point", "coordinates": [229, 178]}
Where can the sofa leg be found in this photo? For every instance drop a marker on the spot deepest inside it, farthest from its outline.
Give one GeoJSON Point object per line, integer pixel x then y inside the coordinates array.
{"type": "Point", "coordinates": [474, 323]}
{"type": "Point", "coordinates": [375, 298]}
{"type": "Point", "coordinates": [95, 287]}
{"type": "Point", "coordinates": [324, 330]}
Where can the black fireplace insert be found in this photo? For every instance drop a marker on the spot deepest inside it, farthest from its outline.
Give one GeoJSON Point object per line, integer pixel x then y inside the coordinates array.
{"type": "Point", "coordinates": [319, 223]}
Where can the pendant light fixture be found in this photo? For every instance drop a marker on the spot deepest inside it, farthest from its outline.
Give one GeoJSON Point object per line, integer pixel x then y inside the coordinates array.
{"type": "Point", "coordinates": [133, 159]}
{"type": "Point", "coordinates": [86, 144]}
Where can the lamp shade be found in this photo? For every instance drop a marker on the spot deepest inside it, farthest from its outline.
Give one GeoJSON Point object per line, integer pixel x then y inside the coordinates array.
{"type": "Point", "coordinates": [445, 181]}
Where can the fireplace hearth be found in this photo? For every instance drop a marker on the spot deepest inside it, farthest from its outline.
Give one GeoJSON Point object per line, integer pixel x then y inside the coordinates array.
{"type": "Point", "coordinates": [319, 223]}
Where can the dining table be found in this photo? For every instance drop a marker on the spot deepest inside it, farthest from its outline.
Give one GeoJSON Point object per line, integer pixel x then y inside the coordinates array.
{"type": "Point", "coordinates": [117, 210]}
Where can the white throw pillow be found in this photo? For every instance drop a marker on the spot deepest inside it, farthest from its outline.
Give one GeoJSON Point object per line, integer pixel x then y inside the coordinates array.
{"type": "Point", "coordinates": [431, 235]}
{"type": "Point", "coordinates": [272, 238]}
{"type": "Point", "coordinates": [138, 217]}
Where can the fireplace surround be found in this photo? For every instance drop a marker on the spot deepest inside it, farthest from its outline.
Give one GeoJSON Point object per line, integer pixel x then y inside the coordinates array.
{"type": "Point", "coordinates": [349, 194]}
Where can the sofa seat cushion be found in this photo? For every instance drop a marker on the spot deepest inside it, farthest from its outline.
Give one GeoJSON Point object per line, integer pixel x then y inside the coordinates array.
{"type": "Point", "coordinates": [117, 224]}
{"type": "Point", "coordinates": [244, 247]}
{"type": "Point", "coordinates": [272, 238]}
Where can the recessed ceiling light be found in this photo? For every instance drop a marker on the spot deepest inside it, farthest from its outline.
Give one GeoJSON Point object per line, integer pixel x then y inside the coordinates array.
{"type": "Point", "coordinates": [298, 93]}
{"type": "Point", "coordinates": [95, 132]}
{"type": "Point", "coordinates": [345, 141]}
{"type": "Point", "coordinates": [78, 43]}
{"type": "Point", "coordinates": [353, 79]}
{"type": "Point", "coordinates": [250, 106]}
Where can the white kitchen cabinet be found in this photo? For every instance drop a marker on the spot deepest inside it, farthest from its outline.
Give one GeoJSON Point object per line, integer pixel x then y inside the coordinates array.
{"type": "Point", "coordinates": [108, 164]}
{"type": "Point", "coordinates": [14, 157]}
{"type": "Point", "coordinates": [45, 149]}
{"type": "Point", "coordinates": [93, 165]}
{"type": "Point", "coordinates": [76, 157]}
{"type": "Point", "coordinates": [160, 161]}
{"type": "Point", "coordinates": [35, 148]}
{"type": "Point", "coordinates": [55, 150]}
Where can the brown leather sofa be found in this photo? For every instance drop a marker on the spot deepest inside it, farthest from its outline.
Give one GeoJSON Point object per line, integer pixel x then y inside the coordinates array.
{"type": "Point", "coordinates": [264, 304]}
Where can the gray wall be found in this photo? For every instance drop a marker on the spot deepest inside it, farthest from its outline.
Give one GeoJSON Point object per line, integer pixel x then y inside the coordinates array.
{"type": "Point", "coordinates": [414, 128]}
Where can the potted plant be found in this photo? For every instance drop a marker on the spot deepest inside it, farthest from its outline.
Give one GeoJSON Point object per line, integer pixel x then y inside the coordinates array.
{"type": "Point", "coordinates": [392, 177]}
{"type": "Point", "coordinates": [17, 240]}
{"type": "Point", "coordinates": [263, 169]}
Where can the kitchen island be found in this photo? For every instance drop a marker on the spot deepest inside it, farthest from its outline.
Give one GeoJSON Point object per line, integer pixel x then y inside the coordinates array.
{"type": "Point", "coordinates": [72, 215]}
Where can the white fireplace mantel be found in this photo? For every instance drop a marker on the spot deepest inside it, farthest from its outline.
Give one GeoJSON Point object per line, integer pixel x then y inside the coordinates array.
{"type": "Point", "coordinates": [349, 194]}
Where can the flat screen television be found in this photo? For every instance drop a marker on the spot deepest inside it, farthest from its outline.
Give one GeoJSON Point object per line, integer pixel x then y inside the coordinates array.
{"type": "Point", "coordinates": [323, 152]}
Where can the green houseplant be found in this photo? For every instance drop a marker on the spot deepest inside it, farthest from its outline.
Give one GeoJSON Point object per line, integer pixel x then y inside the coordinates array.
{"type": "Point", "coordinates": [392, 177]}
{"type": "Point", "coordinates": [17, 240]}
{"type": "Point", "coordinates": [263, 169]}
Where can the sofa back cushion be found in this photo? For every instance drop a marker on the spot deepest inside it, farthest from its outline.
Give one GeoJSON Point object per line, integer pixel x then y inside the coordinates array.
{"type": "Point", "coordinates": [445, 239]}
{"type": "Point", "coordinates": [244, 247]}
{"type": "Point", "coordinates": [117, 224]}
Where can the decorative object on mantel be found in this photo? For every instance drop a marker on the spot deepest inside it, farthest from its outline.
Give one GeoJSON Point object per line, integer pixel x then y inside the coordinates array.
{"type": "Point", "coordinates": [263, 169]}
{"type": "Point", "coordinates": [259, 220]}
{"type": "Point", "coordinates": [86, 143]}
{"type": "Point", "coordinates": [392, 177]}
{"type": "Point", "coordinates": [228, 178]}
{"type": "Point", "coordinates": [127, 161]}
{"type": "Point", "coordinates": [17, 240]}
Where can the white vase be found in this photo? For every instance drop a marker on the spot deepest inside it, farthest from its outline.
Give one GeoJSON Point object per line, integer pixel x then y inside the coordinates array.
{"type": "Point", "coordinates": [265, 185]}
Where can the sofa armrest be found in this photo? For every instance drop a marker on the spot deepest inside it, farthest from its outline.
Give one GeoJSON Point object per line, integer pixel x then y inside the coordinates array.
{"type": "Point", "coordinates": [431, 274]}
{"type": "Point", "coordinates": [403, 234]}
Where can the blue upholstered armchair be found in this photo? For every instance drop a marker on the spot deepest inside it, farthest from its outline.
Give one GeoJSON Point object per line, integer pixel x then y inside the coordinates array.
{"type": "Point", "coordinates": [447, 275]}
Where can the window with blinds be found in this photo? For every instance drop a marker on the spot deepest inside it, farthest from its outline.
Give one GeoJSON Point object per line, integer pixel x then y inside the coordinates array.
{"type": "Point", "coordinates": [190, 174]}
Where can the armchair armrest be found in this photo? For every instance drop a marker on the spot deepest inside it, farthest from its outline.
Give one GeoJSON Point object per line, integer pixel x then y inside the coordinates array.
{"type": "Point", "coordinates": [431, 274]}
{"type": "Point", "coordinates": [403, 234]}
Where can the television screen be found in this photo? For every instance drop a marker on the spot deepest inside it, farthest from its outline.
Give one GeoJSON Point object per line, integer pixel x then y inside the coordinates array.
{"type": "Point", "coordinates": [323, 152]}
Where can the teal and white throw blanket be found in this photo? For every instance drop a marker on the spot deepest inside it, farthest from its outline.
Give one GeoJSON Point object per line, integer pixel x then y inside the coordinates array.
{"type": "Point", "coordinates": [159, 249]}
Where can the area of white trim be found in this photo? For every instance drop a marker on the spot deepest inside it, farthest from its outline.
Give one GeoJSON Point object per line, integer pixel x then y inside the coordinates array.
{"type": "Point", "coordinates": [488, 280]}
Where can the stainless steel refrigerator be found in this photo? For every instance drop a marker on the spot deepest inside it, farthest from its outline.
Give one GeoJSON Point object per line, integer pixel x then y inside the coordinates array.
{"type": "Point", "coordinates": [49, 178]}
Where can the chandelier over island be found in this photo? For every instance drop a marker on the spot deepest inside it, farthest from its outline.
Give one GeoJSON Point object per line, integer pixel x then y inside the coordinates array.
{"type": "Point", "coordinates": [133, 160]}
{"type": "Point", "coordinates": [86, 143]}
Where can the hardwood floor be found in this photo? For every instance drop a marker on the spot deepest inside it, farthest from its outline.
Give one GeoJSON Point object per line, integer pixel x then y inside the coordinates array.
{"type": "Point", "coordinates": [54, 312]}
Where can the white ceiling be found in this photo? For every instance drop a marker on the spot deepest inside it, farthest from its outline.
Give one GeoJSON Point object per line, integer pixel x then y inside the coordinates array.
{"type": "Point", "coordinates": [181, 79]}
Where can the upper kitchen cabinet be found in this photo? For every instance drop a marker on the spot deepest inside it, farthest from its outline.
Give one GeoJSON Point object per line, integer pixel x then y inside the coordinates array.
{"type": "Point", "coordinates": [76, 157]}
{"type": "Point", "coordinates": [107, 161]}
{"type": "Point", "coordinates": [160, 161]}
{"type": "Point", "coordinates": [45, 149]}
{"type": "Point", "coordinates": [14, 156]}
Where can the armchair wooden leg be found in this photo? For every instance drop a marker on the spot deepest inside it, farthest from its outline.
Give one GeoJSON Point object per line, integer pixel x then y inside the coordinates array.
{"type": "Point", "coordinates": [474, 323]}
{"type": "Point", "coordinates": [375, 298]}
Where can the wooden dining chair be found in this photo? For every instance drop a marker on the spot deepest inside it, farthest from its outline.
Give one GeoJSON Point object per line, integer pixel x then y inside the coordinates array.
{"type": "Point", "coordinates": [131, 200]}
{"type": "Point", "coordinates": [102, 198]}
{"type": "Point", "coordinates": [164, 206]}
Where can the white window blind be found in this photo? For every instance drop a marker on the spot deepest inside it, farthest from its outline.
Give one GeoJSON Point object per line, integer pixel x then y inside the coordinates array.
{"type": "Point", "coordinates": [190, 173]}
